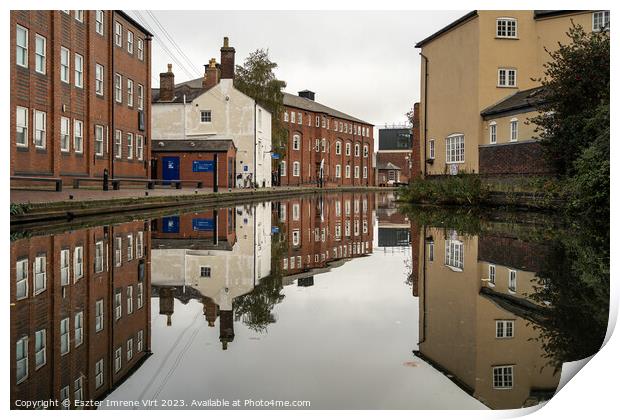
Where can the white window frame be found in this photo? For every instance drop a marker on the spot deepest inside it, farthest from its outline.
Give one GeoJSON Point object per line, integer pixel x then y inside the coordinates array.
{"type": "Point", "coordinates": [21, 277]}
{"type": "Point", "coordinates": [129, 146]}
{"type": "Point", "coordinates": [78, 329]}
{"type": "Point", "coordinates": [99, 320]}
{"type": "Point", "coordinates": [296, 235]}
{"type": "Point", "coordinates": [338, 147]}
{"type": "Point", "coordinates": [139, 147]}
{"type": "Point", "coordinates": [296, 168]}
{"type": "Point", "coordinates": [118, 251]}
{"type": "Point", "coordinates": [40, 274]}
{"type": "Point", "coordinates": [365, 172]}
{"type": "Point", "coordinates": [504, 76]}
{"type": "Point", "coordinates": [130, 245]}
{"type": "Point", "coordinates": [65, 134]}
{"type": "Point", "coordinates": [99, 377]}
{"type": "Point", "coordinates": [78, 389]}
{"type": "Point", "coordinates": [40, 348]}
{"type": "Point", "coordinates": [118, 144]}
{"type": "Point", "coordinates": [79, 15]}
{"type": "Point", "coordinates": [40, 129]}
{"type": "Point", "coordinates": [21, 349]}
{"type": "Point", "coordinates": [98, 258]}
{"type": "Point", "coordinates": [365, 150]}
{"type": "Point", "coordinates": [356, 171]}
{"type": "Point", "coordinates": [509, 29]}
{"type": "Point", "coordinates": [65, 264]}
{"type": "Point", "coordinates": [431, 149]}
{"type": "Point", "coordinates": [283, 168]}
{"type": "Point", "coordinates": [347, 149]}
{"type": "Point", "coordinates": [492, 275]}
{"type": "Point", "coordinates": [205, 116]}
{"type": "Point", "coordinates": [205, 271]}
{"type": "Point", "coordinates": [21, 51]}
{"type": "Point", "coordinates": [140, 47]}
{"type": "Point", "coordinates": [599, 20]}
{"type": "Point", "coordinates": [140, 295]}
{"type": "Point", "coordinates": [118, 34]}
{"type": "Point", "coordinates": [296, 141]}
{"type": "Point", "coordinates": [454, 257]}
{"type": "Point", "coordinates": [285, 116]}
{"type": "Point", "coordinates": [99, 19]}
{"type": "Point", "coordinates": [40, 56]}
{"type": "Point", "coordinates": [347, 171]}
{"type": "Point", "coordinates": [65, 346]}
{"type": "Point", "coordinates": [78, 136]}
{"type": "Point", "coordinates": [504, 375]}
{"type": "Point", "coordinates": [129, 92]}
{"type": "Point", "coordinates": [118, 88]}
{"type": "Point", "coordinates": [512, 281]}
{"type": "Point", "coordinates": [118, 359]}
{"type": "Point", "coordinates": [78, 263]}
{"type": "Point", "coordinates": [130, 42]}
{"type": "Point", "coordinates": [129, 349]}
{"type": "Point", "coordinates": [356, 150]}
{"type": "Point", "coordinates": [140, 340]}
{"type": "Point", "coordinates": [502, 330]}
{"type": "Point", "coordinates": [140, 97]}
{"type": "Point", "coordinates": [129, 300]}
{"type": "Point", "coordinates": [21, 126]}
{"type": "Point", "coordinates": [99, 138]}
{"type": "Point", "coordinates": [79, 70]}
{"type": "Point", "coordinates": [455, 148]}
{"type": "Point", "coordinates": [492, 132]}
{"type": "Point", "coordinates": [99, 79]}
{"type": "Point", "coordinates": [118, 304]}
{"type": "Point", "coordinates": [299, 118]}
{"type": "Point", "coordinates": [514, 129]}
{"type": "Point", "coordinates": [64, 65]}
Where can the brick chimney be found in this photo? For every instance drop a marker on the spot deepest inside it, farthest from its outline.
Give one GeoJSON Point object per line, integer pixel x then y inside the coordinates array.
{"type": "Point", "coordinates": [166, 85]}
{"type": "Point", "coordinates": [308, 94]}
{"type": "Point", "coordinates": [212, 75]}
{"type": "Point", "coordinates": [227, 60]}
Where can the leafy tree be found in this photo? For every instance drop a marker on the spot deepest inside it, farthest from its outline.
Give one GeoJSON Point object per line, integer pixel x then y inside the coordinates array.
{"type": "Point", "coordinates": [257, 80]}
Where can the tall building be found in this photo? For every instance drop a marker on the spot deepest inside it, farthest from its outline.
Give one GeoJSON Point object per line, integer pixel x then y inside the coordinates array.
{"type": "Point", "coordinates": [80, 94]}
{"type": "Point", "coordinates": [325, 146]}
{"type": "Point", "coordinates": [200, 118]}
{"type": "Point", "coordinates": [394, 157]}
{"type": "Point", "coordinates": [80, 312]}
{"type": "Point", "coordinates": [478, 89]}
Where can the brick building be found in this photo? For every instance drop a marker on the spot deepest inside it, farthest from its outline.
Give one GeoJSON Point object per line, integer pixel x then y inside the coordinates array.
{"type": "Point", "coordinates": [394, 157]}
{"type": "Point", "coordinates": [80, 94]}
{"type": "Point", "coordinates": [80, 312]}
{"type": "Point", "coordinates": [324, 145]}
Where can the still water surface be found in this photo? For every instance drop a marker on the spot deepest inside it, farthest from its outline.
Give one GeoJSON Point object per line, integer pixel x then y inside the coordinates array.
{"type": "Point", "coordinates": [334, 302]}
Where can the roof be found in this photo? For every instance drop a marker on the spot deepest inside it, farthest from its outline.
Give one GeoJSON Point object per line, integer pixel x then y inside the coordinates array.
{"type": "Point", "coordinates": [196, 145]}
{"type": "Point", "coordinates": [387, 166]}
{"type": "Point", "coordinates": [447, 28]}
{"type": "Point", "coordinates": [133, 22]}
{"type": "Point", "coordinates": [310, 105]}
{"type": "Point", "coordinates": [541, 14]}
{"type": "Point", "coordinates": [519, 101]}
{"type": "Point", "coordinates": [182, 92]}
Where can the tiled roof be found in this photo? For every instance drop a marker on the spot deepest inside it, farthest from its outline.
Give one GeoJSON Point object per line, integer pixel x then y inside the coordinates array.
{"type": "Point", "coordinates": [387, 166]}
{"type": "Point", "coordinates": [195, 145]}
{"type": "Point", "coordinates": [180, 90]}
{"type": "Point", "coordinates": [520, 100]}
{"type": "Point", "coordinates": [309, 105]}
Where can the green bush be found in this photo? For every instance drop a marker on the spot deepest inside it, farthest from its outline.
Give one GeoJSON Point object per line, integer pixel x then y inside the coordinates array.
{"type": "Point", "coordinates": [462, 189]}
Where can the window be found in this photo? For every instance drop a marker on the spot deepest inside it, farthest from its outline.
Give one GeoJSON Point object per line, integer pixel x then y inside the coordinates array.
{"type": "Point", "coordinates": [129, 146]}
{"type": "Point", "coordinates": [600, 21]}
{"type": "Point", "coordinates": [78, 389]}
{"type": "Point", "coordinates": [118, 308]}
{"type": "Point", "coordinates": [356, 171]}
{"type": "Point", "coordinates": [39, 54]}
{"type": "Point", "coordinates": [296, 141]}
{"type": "Point", "coordinates": [292, 262]}
{"type": "Point", "coordinates": [21, 356]}
{"type": "Point", "coordinates": [365, 175]}
{"type": "Point", "coordinates": [205, 116]}
{"type": "Point", "coordinates": [431, 251]}
{"type": "Point", "coordinates": [502, 377]}
{"type": "Point", "coordinates": [129, 300]}
{"type": "Point", "coordinates": [295, 208]}
{"type": "Point", "coordinates": [357, 150]}
{"type": "Point", "coordinates": [40, 344]}
{"type": "Point", "coordinates": [99, 257]}
{"type": "Point", "coordinates": [283, 168]}
{"type": "Point", "coordinates": [323, 122]}
{"type": "Point", "coordinates": [129, 349]}
{"type": "Point", "coordinates": [40, 275]}
{"type": "Point", "coordinates": [285, 264]}
{"type": "Point", "coordinates": [64, 267]}
{"type": "Point", "coordinates": [512, 280]}
{"type": "Point", "coordinates": [317, 145]}
{"type": "Point", "coordinates": [99, 373]}
{"type": "Point", "coordinates": [140, 295]}
{"type": "Point", "coordinates": [295, 168]}
{"type": "Point", "coordinates": [338, 171]}
{"type": "Point", "coordinates": [514, 129]}
{"type": "Point", "coordinates": [99, 21]}
{"type": "Point", "coordinates": [118, 361]}
{"type": "Point", "coordinates": [21, 43]}
{"type": "Point", "coordinates": [139, 147]}
{"type": "Point", "coordinates": [99, 140]}
{"type": "Point", "coordinates": [323, 145]}
{"type": "Point", "coordinates": [317, 121]}
{"type": "Point", "coordinates": [64, 65]}
{"type": "Point", "coordinates": [504, 328]}
{"type": "Point", "coordinates": [118, 256]}
{"type": "Point", "coordinates": [98, 79]}
{"type": "Point", "coordinates": [79, 70]}
{"type": "Point", "coordinates": [299, 119]}
{"type": "Point", "coordinates": [79, 15]}
{"type": "Point", "coordinates": [285, 116]}
{"type": "Point", "coordinates": [118, 34]}
{"type": "Point", "coordinates": [365, 150]}
{"type": "Point", "coordinates": [347, 149]}
{"type": "Point", "coordinates": [129, 247]}
{"type": "Point", "coordinates": [491, 275]}
{"type": "Point", "coordinates": [99, 315]}
{"type": "Point", "coordinates": [507, 77]}
{"type": "Point", "coordinates": [140, 97]}
{"type": "Point", "coordinates": [64, 134]}
{"type": "Point", "coordinates": [454, 254]}
{"type": "Point", "coordinates": [21, 126]}
{"type": "Point", "coordinates": [205, 272]}
{"type": "Point", "coordinates": [65, 403]}
{"type": "Point", "coordinates": [118, 90]}
{"type": "Point", "coordinates": [78, 264]}
{"type": "Point", "coordinates": [64, 336]}
{"type": "Point", "coordinates": [40, 122]}
{"type": "Point", "coordinates": [295, 239]}
{"type": "Point", "coordinates": [492, 132]}
{"type": "Point", "coordinates": [347, 171]}
{"type": "Point", "coordinates": [78, 328]}
{"type": "Point", "coordinates": [129, 92]}
{"type": "Point", "coordinates": [338, 147]}
{"type": "Point", "coordinates": [506, 28]}
{"type": "Point", "coordinates": [341, 127]}
{"type": "Point", "coordinates": [140, 340]}
{"type": "Point", "coordinates": [21, 279]}
{"type": "Point", "coordinates": [431, 149]}
{"type": "Point", "coordinates": [78, 136]}
{"type": "Point", "coordinates": [140, 49]}
{"type": "Point", "coordinates": [130, 42]}
{"type": "Point", "coordinates": [455, 148]}
{"type": "Point", "coordinates": [118, 144]}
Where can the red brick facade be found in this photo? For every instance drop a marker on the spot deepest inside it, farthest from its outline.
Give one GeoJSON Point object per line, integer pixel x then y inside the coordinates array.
{"type": "Point", "coordinates": [45, 308]}
{"type": "Point", "coordinates": [63, 92]}
{"type": "Point", "coordinates": [416, 166]}
{"type": "Point", "coordinates": [322, 137]}
{"type": "Point", "coordinates": [518, 158]}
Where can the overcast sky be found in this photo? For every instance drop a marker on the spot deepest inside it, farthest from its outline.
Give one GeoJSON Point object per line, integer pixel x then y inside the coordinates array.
{"type": "Point", "coordinates": [361, 63]}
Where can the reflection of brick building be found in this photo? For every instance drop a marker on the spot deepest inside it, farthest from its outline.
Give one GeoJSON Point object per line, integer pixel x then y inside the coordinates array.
{"type": "Point", "coordinates": [80, 94]}
{"type": "Point", "coordinates": [325, 144]}
{"type": "Point", "coordinates": [321, 230]}
{"type": "Point", "coordinates": [80, 311]}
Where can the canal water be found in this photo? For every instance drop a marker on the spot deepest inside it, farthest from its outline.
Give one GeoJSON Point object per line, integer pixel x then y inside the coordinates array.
{"type": "Point", "coordinates": [341, 301]}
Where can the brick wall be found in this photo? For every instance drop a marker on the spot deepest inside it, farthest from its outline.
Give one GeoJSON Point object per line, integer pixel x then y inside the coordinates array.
{"type": "Point", "coordinates": [225, 167]}
{"type": "Point", "coordinates": [400, 159]}
{"type": "Point", "coordinates": [511, 252]}
{"type": "Point", "coordinates": [416, 169]}
{"type": "Point", "coordinates": [513, 158]}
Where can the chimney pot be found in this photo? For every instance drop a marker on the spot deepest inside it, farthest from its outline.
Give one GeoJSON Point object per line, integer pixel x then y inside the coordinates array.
{"type": "Point", "coordinates": [212, 75]}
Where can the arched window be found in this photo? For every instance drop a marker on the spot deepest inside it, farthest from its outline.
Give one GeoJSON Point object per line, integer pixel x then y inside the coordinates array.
{"type": "Point", "coordinates": [338, 147]}
{"type": "Point", "coordinates": [296, 141]}
{"type": "Point", "coordinates": [492, 132]}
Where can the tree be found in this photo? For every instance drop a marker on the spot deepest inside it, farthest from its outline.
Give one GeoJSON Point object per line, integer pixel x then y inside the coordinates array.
{"type": "Point", "coordinates": [257, 80]}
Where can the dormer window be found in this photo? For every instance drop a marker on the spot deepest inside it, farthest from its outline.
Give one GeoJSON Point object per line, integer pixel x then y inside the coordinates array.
{"type": "Point", "coordinates": [506, 28]}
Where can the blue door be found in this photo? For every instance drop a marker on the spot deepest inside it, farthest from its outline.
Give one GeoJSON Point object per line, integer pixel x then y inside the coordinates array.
{"type": "Point", "coordinates": [170, 168]}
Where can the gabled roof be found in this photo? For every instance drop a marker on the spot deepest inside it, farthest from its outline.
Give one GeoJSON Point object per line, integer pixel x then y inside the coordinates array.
{"type": "Point", "coordinates": [447, 28]}
{"type": "Point", "coordinates": [310, 105]}
{"type": "Point", "coordinates": [522, 101]}
{"type": "Point", "coordinates": [194, 145]}
{"type": "Point", "coordinates": [180, 90]}
{"type": "Point", "coordinates": [387, 166]}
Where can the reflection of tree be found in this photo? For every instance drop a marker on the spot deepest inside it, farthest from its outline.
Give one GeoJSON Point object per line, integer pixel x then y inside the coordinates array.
{"type": "Point", "coordinates": [575, 283]}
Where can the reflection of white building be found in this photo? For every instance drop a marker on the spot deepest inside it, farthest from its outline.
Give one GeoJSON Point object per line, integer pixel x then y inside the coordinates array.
{"type": "Point", "coordinates": [221, 273]}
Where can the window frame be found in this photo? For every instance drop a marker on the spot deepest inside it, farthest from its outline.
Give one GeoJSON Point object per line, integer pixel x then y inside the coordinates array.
{"type": "Point", "coordinates": [506, 71]}
{"type": "Point", "coordinates": [206, 116]}
{"type": "Point", "coordinates": [99, 79]}
{"type": "Point", "coordinates": [65, 66]}
{"type": "Point", "coordinates": [23, 343]}
{"type": "Point", "coordinates": [118, 88]}
{"type": "Point", "coordinates": [492, 132]}
{"type": "Point", "coordinates": [24, 263]}
{"type": "Point", "coordinates": [65, 337]}
{"type": "Point", "coordinates": [99, 315]}
{"type": "Point", "coordinates": [65, 134]}
{"type": "Point", "coordinates": [602, 28]}
{"type": "Point", "coordinates": [450, 146]}
{"type": "Point", "coordinates": [78, 70]}
{"type": "Point", "coordinates": [514, 130]}
{"type": "Point", "coordinates": [25, 112]}
{"type": "Point", "coordinates": [130, 93]}
{"type": "Point", "coordinates": [37, 54]}
{"type": "Point", "coordinates": [78, 329]}
{"type": "Point", "coordinates": [42, 348]}
{"type": "Point", "coordinates": [24, 54]}
{"type": "Point", "coordinates": [118, 34]}
{"type": "Point", "coordinates": [130, 42]}
{"type": "Point", "coordinates": [506, 28]}
{"type": "Point", "coordinates": [296, 168]}
{"type": "Point", "coordinates": [40, 131]}
{"type": "Point", "coordinates": [99, 24]}
{"type": "Point", "coordinates": [503, 384]}
{"type": "Point", "coordinates": [502, 332]}
{"type": "Point", "coordinates": [78, 136]}
{"type": "Point", "coordinates": [99, 140]}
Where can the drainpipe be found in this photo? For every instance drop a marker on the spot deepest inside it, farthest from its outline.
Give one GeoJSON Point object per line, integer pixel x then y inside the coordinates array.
{"type": "Point", "coordinates": [425, 107]}
{"type": "Point", "coordinates": [112, 98]}
{"type": "Point", "coordinates": [255, 148]}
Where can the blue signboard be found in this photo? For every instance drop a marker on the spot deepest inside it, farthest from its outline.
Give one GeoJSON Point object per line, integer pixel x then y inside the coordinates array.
{"type": "Point", "coordinates": [275, 155]}
{"type": "Point", "coordinates": [203, 224]}
{"type": "Point", "coordinates": [170, 224]}
{"type": "Point", "coordinates": [274, 230]}
{"type": "Point", "coordinates": [202, 166]}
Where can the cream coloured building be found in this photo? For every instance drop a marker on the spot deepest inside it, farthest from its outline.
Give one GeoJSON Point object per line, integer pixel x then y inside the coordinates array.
{"type": "Point", "coordinates": [478, 62]}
